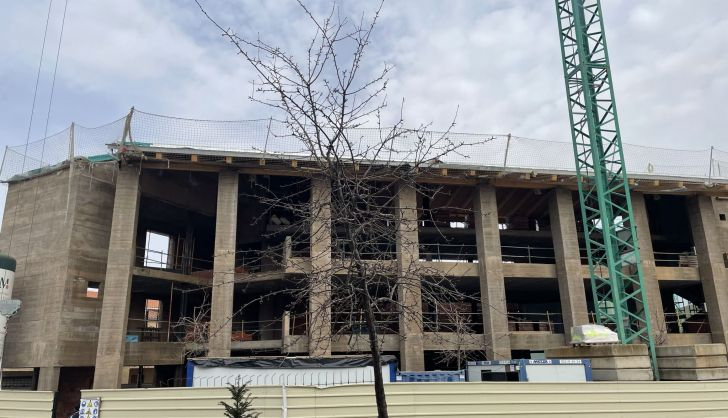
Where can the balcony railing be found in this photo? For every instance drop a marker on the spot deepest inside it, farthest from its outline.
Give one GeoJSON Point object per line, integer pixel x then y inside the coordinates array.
{"type": "Point", "coordinates": [687, 324]}
{"type": "Point", "coordinates": [146, 330]}
{"type": "Point", "coordinates": [257, 330]}
{"type": "Point", "coordinates": [170, 262]}
{"type": "Point", "coordinates": [355, 323]}
{"type": "Point", "coordinates": [455, 322]}
{"type": "Point", "coordinates": [536, 321]}
{"type": "Point", "coordinates": [442, 322]}
{"type": "Point", "coordinates": [679, 259]}
{"type": "Point", "coordinates": [249, 261]}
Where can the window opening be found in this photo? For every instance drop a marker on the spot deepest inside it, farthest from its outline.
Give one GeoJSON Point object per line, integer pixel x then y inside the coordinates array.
{"type": "Point", "coordinates": [92, 289]}
{"type": "Point", "coordinates": [156, 250]}
{"type": "Point", "coordinates": [152, 313]}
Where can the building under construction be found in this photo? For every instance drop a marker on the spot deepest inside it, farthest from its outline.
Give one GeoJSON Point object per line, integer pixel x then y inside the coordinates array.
{"type": "Point", "coordinates": [118, 233]}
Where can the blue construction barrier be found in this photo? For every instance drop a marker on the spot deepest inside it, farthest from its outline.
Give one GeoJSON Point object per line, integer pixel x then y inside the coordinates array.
{"type": "Point", "coordinates": [436, 376]}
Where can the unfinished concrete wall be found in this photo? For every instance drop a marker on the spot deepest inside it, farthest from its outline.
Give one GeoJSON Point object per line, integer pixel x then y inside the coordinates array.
{"type": "Point", "coordinates": [710, 263]}
{"type": "Point", "coordinates": [721, 214]}
{"type": "Point", "coordinates": [57, 324]}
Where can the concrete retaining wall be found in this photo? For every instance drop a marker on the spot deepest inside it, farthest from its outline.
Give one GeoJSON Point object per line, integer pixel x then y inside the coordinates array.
{"type": "Point", "coordinates": [602, 399]}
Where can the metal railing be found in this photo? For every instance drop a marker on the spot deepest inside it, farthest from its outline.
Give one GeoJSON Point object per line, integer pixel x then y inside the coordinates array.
{"type": "Point", "coordinates": [455, 322]}
{"type": "Point", "coordinates": [463, 253]}
{"type": "Point", "coordinates": [536, 321]}
{"type": "Point", "coordinates": [250, 261]}
{"type": "Point", "coordinates": [354, 323]}
{"type": "Point", "coordinates": [342, 249]}
{"type": "Point", "coordinates": [147, 330]}
{"type": "Point", "coordinates": [264, 330]}
{"type": "Point", "coordinates": [442, 322]}
{"type": "Point", "coordinates": [687, 323]}
{"type": "Point", "coordinates": [527, 254]}
{"type": "Point", "coordinates": [459, 253]}
{"type": "Point", "coordinates": [171, 262]}
{"type": "Point", "coordinates": [676, 259]}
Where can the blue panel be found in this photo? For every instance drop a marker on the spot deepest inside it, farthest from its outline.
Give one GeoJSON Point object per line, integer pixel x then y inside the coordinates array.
{"type": "Point", "coordinates": [190, 373]}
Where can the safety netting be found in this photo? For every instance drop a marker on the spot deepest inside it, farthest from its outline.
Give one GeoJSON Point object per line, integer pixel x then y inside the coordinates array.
{"type": "Point", "coordinates": [271, 137]}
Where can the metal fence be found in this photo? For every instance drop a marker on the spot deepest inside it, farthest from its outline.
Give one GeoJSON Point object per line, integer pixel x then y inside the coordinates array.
{"type": "Point", "coordinates": [479, 151]}
{"type": "Point", "coordinates": [268, 377]}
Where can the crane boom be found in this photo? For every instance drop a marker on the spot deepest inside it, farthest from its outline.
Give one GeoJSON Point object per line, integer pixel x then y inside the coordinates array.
{"type": "Point", "coordinates": [617, 282]}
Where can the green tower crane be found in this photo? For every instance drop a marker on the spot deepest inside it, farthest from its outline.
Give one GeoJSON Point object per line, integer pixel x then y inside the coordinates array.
{"type": "Point", "coordinates": [617, 282]}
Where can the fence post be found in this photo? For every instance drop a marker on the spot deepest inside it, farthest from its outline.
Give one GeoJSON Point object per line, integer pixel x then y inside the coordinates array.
{"type": "Point", "coordinates": [505, 157]}
{"type": "Point", "coordinates": [2, 166]}
{"type": "Point", "coordinates": [548, 321]}
{"type": "Point", "coordinates": [267, 134]}
{"type": "Point", "coordinates": [71, 140]}
{"type": "Point", "coordinates": [127, 127]}
{"type": "Point", "coordinates": [710, 167]}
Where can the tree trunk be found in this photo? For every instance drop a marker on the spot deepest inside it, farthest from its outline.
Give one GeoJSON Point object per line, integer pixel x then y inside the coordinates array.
{"type": "Point", "coordinates": [376, 357]}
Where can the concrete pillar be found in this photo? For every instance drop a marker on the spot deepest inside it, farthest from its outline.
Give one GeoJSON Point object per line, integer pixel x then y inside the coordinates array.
{"type": "Point", "coordinates": [117, 285]}
{"type": "Point", "coordinates": [647, 255]}
{"type": "Point", "coordinates": [223, 267]}
{"type": "Point", "coordinates": [319, 302]}
{"type": "Point", "coordinates": [568, 261]}
{"type": "Point", "coordinates": [710, 263]}
{"type": "Point", "coordinates": [490, 270]}
{"type": "Point", "coordinates": [409, 288]}
{"type": "Point", "coordinates": [48, 378]}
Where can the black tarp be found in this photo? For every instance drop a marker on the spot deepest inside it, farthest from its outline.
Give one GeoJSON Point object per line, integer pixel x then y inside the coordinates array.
{"type": "Point", "coordinates": [289, 362]}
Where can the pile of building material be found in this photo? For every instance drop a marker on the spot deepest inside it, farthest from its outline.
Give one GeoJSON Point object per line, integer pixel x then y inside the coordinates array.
{"type": "Point", "coordinates": [610, 362]}
{"type": "Point", "coordinates": [692, 362]}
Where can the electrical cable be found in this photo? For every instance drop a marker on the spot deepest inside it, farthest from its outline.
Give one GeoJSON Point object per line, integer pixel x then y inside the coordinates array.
{"type": "Point", "coordinates": [55, 70]}
{"type": "Point", "coordinates": [45, 135]}
{"type": "Point", "coordinates": [30, 123]}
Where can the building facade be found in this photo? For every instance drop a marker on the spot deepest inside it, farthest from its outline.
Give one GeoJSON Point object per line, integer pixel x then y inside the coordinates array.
{"type": "Point", "coordinates": [121, 263]}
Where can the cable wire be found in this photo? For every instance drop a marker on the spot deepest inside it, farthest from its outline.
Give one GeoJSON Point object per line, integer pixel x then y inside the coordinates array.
{"type": "Point", "coordinates": [30, 123]}
{"type": "Point", "coordinates": [55, 71]}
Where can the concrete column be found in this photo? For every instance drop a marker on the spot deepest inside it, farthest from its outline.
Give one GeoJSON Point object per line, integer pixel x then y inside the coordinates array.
{"type": "Point", "coordinates": [48, 378]}
{"type": "Point", "coordinates": [647, 256]}
{"type": "Point", "coordinates": [710, 263]}
{"type": "Point", "coordinates": [319, 301]}
{"type": "Point", "coordinates": [490, 269]}
{"type": "Point", "coordinates": [223, 267]}
{"type": "Point", "coordinates": [409, 288]}
{"type": "Point", "coordinates": [117, 285]}
{"type": "Point", "coordinates": [568, 261]}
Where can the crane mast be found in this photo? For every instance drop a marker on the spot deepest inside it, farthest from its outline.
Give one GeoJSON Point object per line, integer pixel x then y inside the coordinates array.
{"type": "Point", "coordinates": [617, 282]}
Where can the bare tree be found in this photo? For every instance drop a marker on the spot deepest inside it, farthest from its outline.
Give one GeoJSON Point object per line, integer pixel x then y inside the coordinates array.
{"type": "Point", "coordinates": [357, 207]}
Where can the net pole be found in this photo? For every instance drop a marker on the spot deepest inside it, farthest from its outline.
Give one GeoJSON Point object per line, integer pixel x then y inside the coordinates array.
{"type": "Point", "coordinates": [2, 166]}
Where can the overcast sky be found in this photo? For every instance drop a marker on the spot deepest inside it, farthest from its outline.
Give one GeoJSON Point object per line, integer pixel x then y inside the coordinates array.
{"type": "Point", "coordinates": [498, 60]}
